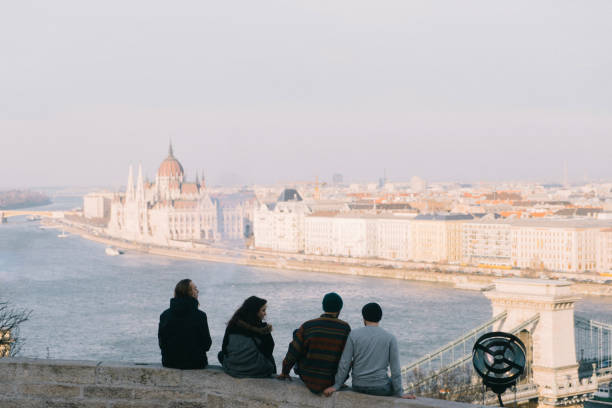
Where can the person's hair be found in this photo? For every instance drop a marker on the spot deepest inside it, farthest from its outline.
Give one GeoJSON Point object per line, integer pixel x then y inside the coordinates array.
{"type": "Point", "coordinates": [183, 289]}
{"type": "Point", "coordinates": [372, 312]}
{"type": "Point", "coordinates": [332, 303]}
{"type": "Point", "coordinates": [248, 311]}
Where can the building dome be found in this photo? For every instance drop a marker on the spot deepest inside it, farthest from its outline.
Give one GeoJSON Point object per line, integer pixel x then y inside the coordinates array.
{"type": "Point", "coordinates": [170, 167]}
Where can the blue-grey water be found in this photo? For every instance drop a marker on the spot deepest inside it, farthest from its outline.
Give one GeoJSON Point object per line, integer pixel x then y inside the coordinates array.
{"type": "Point", "coordinates": [87, 305]}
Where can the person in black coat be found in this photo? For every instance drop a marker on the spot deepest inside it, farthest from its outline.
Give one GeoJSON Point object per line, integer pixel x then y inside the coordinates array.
{"type": "Point", "coordinates": [183, 332]}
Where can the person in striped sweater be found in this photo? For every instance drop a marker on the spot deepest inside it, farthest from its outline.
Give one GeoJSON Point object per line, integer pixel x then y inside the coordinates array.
{"type": "Point", "coordinates": [317, 347]}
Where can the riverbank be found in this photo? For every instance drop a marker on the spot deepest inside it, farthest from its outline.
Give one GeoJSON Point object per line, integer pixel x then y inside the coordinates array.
{"type": "Point", "coordinates": [462, 277]}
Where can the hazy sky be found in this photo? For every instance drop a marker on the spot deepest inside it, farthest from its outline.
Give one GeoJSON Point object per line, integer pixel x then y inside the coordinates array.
{"type": "Point", "coordinates": [266, 91]}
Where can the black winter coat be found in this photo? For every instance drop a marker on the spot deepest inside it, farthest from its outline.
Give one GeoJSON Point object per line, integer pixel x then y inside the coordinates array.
{"type": "Point", "coordinates": [183, 335]}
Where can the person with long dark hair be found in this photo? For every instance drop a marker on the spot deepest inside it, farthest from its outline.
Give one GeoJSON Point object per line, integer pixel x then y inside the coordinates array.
{"type": "Point", "coordinates": [183, 334]}
{"type": "Point", "coordinates": [248, 343]}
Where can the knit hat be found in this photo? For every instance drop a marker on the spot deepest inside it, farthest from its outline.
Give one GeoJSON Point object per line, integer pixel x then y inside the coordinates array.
{"type": "Point", "coordinates": [372, 312]}
{"type": "Point", "coordinates": [332, 303]}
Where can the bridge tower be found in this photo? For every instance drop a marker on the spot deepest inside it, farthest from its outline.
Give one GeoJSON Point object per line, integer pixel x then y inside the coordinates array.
{"type": "Point", "coordinates": [553, 346]}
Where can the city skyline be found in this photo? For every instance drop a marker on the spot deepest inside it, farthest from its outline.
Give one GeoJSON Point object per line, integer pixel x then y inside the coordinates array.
{"type": "Point", "coordinates": [562, 179]}
{"type": "Point", "coordinates": [259, 94]}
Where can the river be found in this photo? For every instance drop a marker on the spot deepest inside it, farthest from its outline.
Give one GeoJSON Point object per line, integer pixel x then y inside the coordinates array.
{"type": "Point", "coordinates": [87, 305]}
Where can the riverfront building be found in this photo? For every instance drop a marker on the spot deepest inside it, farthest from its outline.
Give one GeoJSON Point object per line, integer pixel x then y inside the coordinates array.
{"type": "Point", "coordinates": [487, 242]}
{"type": "Point", "coordinates": [393, 237]}
{"type": "Point", "coordinates": [97, 205]}
{"type": "Point", "coordinates": [358, 235]}
{"type": "Point", "coordinates": [553, 244]}
{"type": "Point", "coordinates": [279, 226]}
{"type": "Point", "coordinates": [437, 238]}
{"type": "Point", "coordinates": [171, 209]}
{"type": "Point", "coordinates": [556, 245]}
{"type": "Point", "coordinates": [340, 235]}
{"type": "Point", "coordinates": [235, 214]}
{"type": "Point", "coordinates": [604, 251]}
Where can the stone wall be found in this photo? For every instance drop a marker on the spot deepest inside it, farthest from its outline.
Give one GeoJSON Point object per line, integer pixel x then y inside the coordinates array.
{"type": "Point", "coordinates": [32, 383]}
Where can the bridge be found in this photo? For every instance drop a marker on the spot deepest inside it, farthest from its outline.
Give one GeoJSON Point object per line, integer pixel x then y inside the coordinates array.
{"type": "Point", "coordinates": [568, 355]}
{"type": "Point", "coordinates": [5, 214]}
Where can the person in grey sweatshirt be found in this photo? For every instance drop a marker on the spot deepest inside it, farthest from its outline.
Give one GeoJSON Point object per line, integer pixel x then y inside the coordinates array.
{"type": "Point", "coordinates": [371, 350]}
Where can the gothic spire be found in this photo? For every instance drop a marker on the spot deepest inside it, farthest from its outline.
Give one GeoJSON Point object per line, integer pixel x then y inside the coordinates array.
{"type": "Point", "coordinates": [129, 189]}
{"type": "Point", "coordinates": [170, 151]}
{"type": "Point", "coordinates": [140, 184]}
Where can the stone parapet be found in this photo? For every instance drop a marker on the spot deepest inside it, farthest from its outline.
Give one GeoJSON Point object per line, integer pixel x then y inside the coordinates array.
{"type": "Point", "coordinates": [36, 383]}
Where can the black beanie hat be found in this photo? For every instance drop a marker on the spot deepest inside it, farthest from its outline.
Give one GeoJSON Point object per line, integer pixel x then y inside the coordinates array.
{"type": "Point", "coordinates": [372, 312]}
{"type": "Point", "coordinates": [332, 303]}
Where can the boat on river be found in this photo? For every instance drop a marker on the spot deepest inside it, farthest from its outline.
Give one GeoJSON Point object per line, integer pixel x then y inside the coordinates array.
{"type": "Point", "coordinates": [112, 251]}
{"type": "Point", "coordinates": [63, 234]}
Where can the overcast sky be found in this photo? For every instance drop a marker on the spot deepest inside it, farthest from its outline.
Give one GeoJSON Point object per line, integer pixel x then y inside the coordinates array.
{"type": "Point", "coordinates": [268, 91]}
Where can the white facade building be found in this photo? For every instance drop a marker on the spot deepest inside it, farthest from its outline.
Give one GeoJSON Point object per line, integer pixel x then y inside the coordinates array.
{"type": "Point", "coordinates": [280, 226]}
{"type": "Point", "coordinates": [97, 205]}
{"type": "Point", "coordinates": [437, 238]}
{"type": "Point", "coordinates": [564, 245]}
{"type": "Point", "coordinates": [604, 251]}
{"type": "Point", "coordinates": [350, 236]}
{"type": "Point", "coordinates": [170, 209]}
{"type": "Point", "coordinates": [393, 238]}
{"type": "Point", "coordinates": [487, 242]}
{"type": "Point", "coordinates": [319, 234]}
{"type": "Point", "coordinates": [556, 245]}
{"type": "Point", "coordinates": [358, 236]}
{"type": "Point", "coordinates": [235, 215]}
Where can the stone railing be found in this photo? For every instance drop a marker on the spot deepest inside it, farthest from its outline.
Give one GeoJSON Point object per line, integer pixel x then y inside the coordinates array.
{"type": "Point", "coordinates": [31, 383]}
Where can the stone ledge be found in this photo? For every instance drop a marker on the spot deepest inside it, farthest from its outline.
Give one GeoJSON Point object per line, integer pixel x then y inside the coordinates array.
{"type": "Point", "coordinates": [66, 383]}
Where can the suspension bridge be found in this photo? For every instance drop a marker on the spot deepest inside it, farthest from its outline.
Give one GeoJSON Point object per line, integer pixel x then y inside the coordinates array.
{"type": "Point", "coordinates": [568, 355]}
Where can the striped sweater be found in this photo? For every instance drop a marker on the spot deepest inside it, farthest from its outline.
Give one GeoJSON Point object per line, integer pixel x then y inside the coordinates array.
{"type": "Point", "coordinates": [316, 348]}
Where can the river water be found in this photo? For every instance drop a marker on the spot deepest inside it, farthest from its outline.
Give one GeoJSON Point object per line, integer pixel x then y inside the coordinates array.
{"type": "Point", "coordinates": [87, 305]}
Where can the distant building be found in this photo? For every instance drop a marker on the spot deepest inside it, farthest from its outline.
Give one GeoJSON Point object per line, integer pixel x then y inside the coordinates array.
{"type": "Point", "coordinates": [417, 184]}
{"type": "Point", "coordinates": [358, 235]}
{"type": "Point", "coordinates": [437, 238]}
{"type": "Point", "coordinates": [279, 226]}
{"type": "Point", "coordinates": [487, 242]}
{"type": "Point", "coordinates": [97, 205]}
{"type": "Point", "coordinates": [604, 251]}
{"type": "Point", "coordinates": [371, 206]}
{"type": "Point", "coordinates": [340, 235]}
{"type": "Point", "coordinates": [393, 238]}
{"type": "Point", "coordinates": [170, 209]}
{"type": "Point", "coordinates": [235, 214]}
{"type": "Point", "coordinates": [504, 226]}
{"type": "Point", "coordinates": [555, 245]}
{"type": "Point", "coordinates": [337, 178]}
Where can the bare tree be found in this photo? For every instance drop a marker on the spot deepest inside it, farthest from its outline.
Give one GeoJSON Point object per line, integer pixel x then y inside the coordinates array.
{"type": "Point", "coordinates": [10, 319]}
{"type": "Point", "coordinates": [458, 384]}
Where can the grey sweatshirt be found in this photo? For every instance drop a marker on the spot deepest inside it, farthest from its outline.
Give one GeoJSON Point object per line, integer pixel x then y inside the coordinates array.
{"type": "Point", "coordinates": [371, 349]}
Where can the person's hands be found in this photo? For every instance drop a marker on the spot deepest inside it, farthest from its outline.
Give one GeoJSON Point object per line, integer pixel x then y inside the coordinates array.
{"type": "Point", "coordinates": [282, 376]}
{"type": "Point", "coordinates": [408, 396]}
{"type": "Point", "coordinates": [329, 391]}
